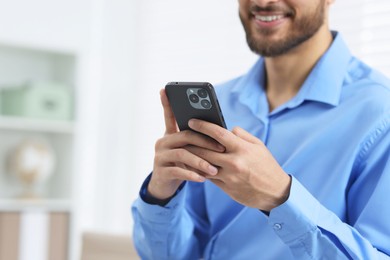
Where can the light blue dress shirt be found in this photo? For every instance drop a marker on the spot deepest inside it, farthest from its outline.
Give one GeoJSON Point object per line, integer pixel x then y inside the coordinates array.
{"type": "Point", "coordinates": [333, 138]}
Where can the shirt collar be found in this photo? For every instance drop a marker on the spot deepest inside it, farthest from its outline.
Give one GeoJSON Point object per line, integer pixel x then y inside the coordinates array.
{"type": "Point", "coordinates": [325, 81]}
{"type": "Point", "coordinates": [323, 84]}
{"type": "Point", "coordinates": [250, 90]}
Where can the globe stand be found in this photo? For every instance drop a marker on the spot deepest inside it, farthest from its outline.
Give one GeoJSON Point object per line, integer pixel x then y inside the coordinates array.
{"type": "Point", "coordinates": [29, 184]}
{"type": "Point", "coordinates": [31, 162]}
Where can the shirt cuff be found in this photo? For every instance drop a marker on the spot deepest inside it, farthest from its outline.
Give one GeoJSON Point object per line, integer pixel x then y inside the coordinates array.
{"type": "Point", "coordinates": [146, 197]}
{"type": "Point", "coordinates": [297, 216]}
{"type": "Point", "coordinates": [160, 214]}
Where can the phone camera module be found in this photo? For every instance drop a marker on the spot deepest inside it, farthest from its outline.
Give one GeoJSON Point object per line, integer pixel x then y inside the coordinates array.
{"type": "Point", "coordinates": [194, 98]}
{"type": "Point", "coordinates": [205, 103]}
{"type": "Point", "coordinates": [199, 98]}
{"type": "Point", "coordinates": [202, 93]}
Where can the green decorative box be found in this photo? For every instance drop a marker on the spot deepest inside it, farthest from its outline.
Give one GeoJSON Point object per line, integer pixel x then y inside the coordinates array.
{"type": "Point", "coordinates": [44, 100]}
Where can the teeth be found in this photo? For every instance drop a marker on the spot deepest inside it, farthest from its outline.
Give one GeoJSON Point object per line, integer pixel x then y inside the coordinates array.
{"type": "Point", "coordinates": [268, 18]}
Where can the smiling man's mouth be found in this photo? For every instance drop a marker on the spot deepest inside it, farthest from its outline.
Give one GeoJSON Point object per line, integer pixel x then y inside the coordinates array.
{"type": "Point", "coordinates": [268, 18]}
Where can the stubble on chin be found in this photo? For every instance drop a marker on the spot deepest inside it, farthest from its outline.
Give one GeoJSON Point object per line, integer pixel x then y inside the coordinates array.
{"type": "Point", "coordinates": [260, 40]}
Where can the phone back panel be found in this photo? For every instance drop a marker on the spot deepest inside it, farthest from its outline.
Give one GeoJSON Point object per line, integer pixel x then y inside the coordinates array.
{"type": "Point", "coordinates": [181, 96]}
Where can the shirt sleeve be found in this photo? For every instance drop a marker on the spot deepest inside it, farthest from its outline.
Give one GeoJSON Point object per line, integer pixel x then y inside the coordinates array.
{"type": "Point", "coordinates": [313, 232]}
{"type": "Point", "coordinates": [148, 198]}
{"type": "Point", "coordinates": [170, 231]}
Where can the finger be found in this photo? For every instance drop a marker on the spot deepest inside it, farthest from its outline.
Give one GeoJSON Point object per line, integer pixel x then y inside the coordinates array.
{"type": "Point", "coordinates": [189, 137]}
{"type": "Point", "coordinates": [214, 158]}
{"type": "Point", "coordinates": [182, 174]}
{"type": "Point", "coordinates": [170, 121]}
{"type": "Point", "coordinates": [238, 131]}
{"type": "Point", "coordinates": [220, 134]}
{"type": "Point", "coordinates": [197, 171]}
{"type": "Point", "coordinates": [189, 159]}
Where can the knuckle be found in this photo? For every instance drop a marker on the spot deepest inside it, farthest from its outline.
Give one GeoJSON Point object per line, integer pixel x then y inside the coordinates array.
{"type": "Point", "coordinates": [220, 133]}
{"type": "Point", "coordinates": [232, 180]}
{"type": "Point", "coordinates": [202, 164]}
{"type": "Point", "coordinates": [245, 149]}
{"type": "Point", "coordinates": [187, 134]}
{"type": "Point", "coordinates": [157, 158]}
{"type": "Point", "coordinates": [236, 164]}
{"type": "Point", "coordinates": [174, 173]}
{"type": "Point", "coordinates": [179, 173]}
{"type": "Point", "coordinates": [236, 130]}
{"type": "Point", "coordinates": [179, 154]}
{"type": "Point", "coordinates": [190, 175]}
{"type": "Point", "coordinates": [159, 144]}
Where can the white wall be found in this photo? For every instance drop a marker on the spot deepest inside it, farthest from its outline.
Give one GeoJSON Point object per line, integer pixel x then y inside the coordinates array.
{"type": "Point", "coordinates": [365, 26]}
{"type": "Point", "coordinates": [38, 23]}
{"type": "Point", "coordinates": [105, 147]}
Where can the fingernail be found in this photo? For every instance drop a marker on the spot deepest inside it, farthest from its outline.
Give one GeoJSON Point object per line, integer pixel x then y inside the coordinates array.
{"type": "Point", "coordinates": [191, 123]}
{"type": "Point", "coordinates": [212, 170]}
{"type": "Point", "coordinates": [201, 178]}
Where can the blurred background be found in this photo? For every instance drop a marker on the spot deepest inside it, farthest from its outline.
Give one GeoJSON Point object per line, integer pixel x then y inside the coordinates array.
{"type": "Point", "coordinates": [80, 109]}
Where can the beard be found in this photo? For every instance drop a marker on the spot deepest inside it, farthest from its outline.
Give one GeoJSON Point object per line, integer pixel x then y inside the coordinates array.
{"type": "Point", "coordinates": [302, 29]}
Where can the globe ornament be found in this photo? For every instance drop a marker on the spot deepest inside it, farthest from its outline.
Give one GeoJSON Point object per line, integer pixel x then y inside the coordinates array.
{"type": "Point", "coordinates": [31, 162]}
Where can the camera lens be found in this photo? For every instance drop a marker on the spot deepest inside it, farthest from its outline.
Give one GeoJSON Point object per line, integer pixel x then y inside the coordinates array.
{"type": "Point", "coordinates": [205, 103]}
{"type": "Point", "coordinates": [202, 93]}
{"type": "Point", "coordinates": [194, 98]}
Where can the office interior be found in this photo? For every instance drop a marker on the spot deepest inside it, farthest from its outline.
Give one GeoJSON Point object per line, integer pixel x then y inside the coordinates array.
{"type": "Point", "coordinates": [79, 104]}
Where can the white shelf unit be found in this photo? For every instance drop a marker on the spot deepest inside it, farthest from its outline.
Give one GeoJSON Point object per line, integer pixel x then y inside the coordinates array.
{"type": "Point", "coordinates": [18, 65]}
{"type": "Point", "coordinates": [36, 125]}
{"type": "Point", "coordinates": [35, 229]}
{"type": "Point", "coordinates": [50, 205]}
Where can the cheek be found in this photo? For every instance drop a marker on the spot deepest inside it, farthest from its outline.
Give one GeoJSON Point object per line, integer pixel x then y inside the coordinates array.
{"type": "Point", "coordinates": [243, 14]}
{"type": "Point", "coordinates": [244, 5]}
{"type": "Point", "coordinates": [243, 2]}
{"type": "Point", "coordinates": [302, 7]}
{"type": "Point", "coordinates": [307, 6]}
{"type": "Point", "coordinates": [300, 2]}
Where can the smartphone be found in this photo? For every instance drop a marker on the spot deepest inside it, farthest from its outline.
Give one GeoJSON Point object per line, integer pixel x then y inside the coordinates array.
{"type": "Point", "coordinates": [194, 100]}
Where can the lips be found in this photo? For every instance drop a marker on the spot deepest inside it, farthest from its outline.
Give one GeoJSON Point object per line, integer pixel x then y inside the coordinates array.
{"type": "Point", "coordinates": [271, 13]}
{"type": "Point", "coordinates": [268, 18]}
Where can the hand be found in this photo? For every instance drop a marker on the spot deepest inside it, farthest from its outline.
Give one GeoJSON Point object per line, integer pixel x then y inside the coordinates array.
{"type": "Point", "coordinates": [247, 170]}
{"type": "Point", "coordinates": [172, 162]}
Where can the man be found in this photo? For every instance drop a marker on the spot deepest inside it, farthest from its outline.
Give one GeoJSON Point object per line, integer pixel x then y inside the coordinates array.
{"type": "Point", "coordinates": [305, 171]}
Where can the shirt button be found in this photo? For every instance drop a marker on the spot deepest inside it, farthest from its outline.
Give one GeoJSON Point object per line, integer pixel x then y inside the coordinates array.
{"type": "Point", "coordinates": [277, 227]}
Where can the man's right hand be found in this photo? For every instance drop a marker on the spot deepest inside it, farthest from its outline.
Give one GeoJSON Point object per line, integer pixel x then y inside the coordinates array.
{"type": "Point", "coordinates": [173, 164]}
